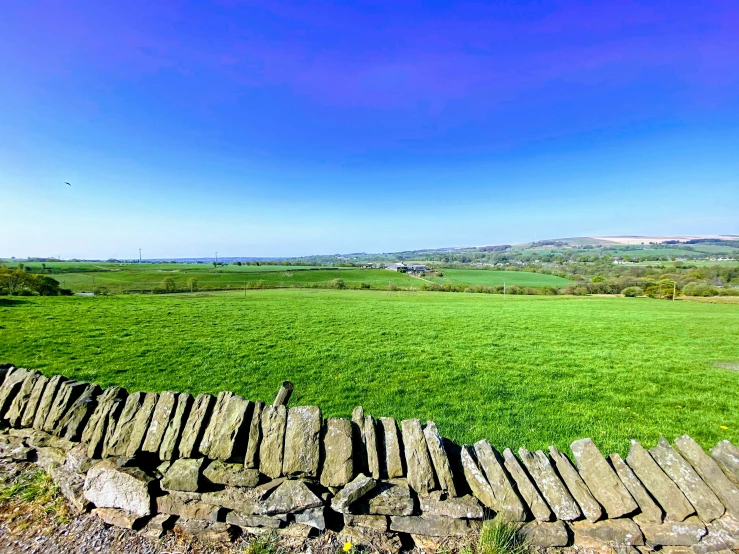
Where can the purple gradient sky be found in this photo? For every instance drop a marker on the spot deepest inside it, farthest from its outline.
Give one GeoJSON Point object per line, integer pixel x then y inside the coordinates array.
{"type": "Point", "coordinates": [263, 128]}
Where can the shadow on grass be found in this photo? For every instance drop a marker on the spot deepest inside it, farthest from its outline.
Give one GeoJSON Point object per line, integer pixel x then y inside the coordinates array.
{"type": "Point", "coordinates": [10, 302]}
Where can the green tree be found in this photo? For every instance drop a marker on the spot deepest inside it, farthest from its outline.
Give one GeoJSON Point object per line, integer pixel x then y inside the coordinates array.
{"type": "Point", "coordinates": [192, 284]}
{"type": "Point", "coordinates": [168, 284]}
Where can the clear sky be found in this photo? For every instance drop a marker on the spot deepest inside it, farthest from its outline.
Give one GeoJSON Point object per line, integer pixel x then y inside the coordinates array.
{"type": "Point", "coordinates": [290, 128]}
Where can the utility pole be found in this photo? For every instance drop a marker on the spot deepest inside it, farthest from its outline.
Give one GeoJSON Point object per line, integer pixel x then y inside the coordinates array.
{"type": "Point", "coordinates": [139, 255]}
{"type": "Point", "coordinates": [216, 258]}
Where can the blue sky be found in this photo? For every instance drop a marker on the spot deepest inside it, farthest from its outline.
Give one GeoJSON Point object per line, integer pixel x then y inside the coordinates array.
{"type": "Point", "coordinates": [257, 129]}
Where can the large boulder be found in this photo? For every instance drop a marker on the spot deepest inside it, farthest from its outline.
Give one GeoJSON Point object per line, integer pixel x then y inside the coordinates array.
{"type": "Point", "coordinates": [127, 488]}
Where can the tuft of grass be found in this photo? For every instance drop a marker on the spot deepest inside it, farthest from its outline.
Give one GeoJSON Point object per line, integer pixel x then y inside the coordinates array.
{"type": "Point", "coordinates": [267, 544]}
{"type": "Point", "coordinates": [29, 495]}
{"type": "Point", "coordinates": [499, 536]}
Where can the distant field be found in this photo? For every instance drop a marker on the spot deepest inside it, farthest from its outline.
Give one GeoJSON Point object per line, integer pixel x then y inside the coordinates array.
{"type": "Point", "coordinates": [521, 371]}
{"type": "Point", "coordinates": [491, 278]}
{"type": "Point", "coordinates": [75, 267]}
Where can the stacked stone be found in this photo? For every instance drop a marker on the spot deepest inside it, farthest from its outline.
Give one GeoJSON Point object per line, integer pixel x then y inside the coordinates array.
{"type": "Point", "coordinates": [215, 466]}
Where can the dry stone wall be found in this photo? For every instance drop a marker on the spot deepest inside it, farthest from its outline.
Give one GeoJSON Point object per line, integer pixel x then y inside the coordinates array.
{"type": "Point", "coordinates": [220, 466]}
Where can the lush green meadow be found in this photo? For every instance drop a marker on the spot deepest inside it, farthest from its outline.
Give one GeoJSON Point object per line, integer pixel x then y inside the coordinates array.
{"type": "Point", "coordinates": [520, 371]}
{"type": "Point", "coordinates": [491, 278]}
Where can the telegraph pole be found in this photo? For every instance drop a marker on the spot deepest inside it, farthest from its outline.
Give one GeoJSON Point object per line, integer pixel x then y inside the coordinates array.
{"type": "Point", "coordinates": [139, 255]}
{"type": "Point", "coordinates": [216, 258]}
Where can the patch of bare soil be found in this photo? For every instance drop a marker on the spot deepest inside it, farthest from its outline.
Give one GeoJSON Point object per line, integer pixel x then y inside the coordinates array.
{"type": "Point", "coordinates": [732, 366]}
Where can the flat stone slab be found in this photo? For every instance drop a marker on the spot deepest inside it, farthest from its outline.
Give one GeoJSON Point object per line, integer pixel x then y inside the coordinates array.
{"type": "Point", "coordinates": [659, 485]}
{"type": "Point", "coordinates": [47, 399]}
{"type": "Point", "coordinates": [250, 520]}
{"type": "Point", "coordinates": [229, 440]}
{"type": "Point", "coordinates": [72, 423]}
{"type": "Point", "coordinates": [291, 496]}
{"type": "Point", "coordinates": [554, 491]}
{"type": "Point", "coordinates": [274, 422]}
{"type": "Point", "coordinates": [96, 428]}
{"type": "Point", "coordinates": [175, 427]}
{"type": "Point", "coordinates": [119, 518]}
{"type": "Point", "coordinates": [110, 486]}
{"type": "Point", "coordinates": [117, 442]}
{"type": "Point", "coordinates": [251, 458]}
{"type": "Point", "coordinates": [183, 475]}
{"type": "Point", "coordinates": [302, 441]}
{"type": "Point", "coordinates": [545, 535]}
{"type": "Point", "coordinates": [235, 475]}
{"type": "Point", "coordinates": [430, 526]}
{"type": "Point", "coordinates": [726, 456]}
{"type": "Point", "coordinates": [243, 500]}
{"type": "Point", "coordinates": [577, 487]}
{"type": "Point", "coordinates": [160, 418]}
{"type": "Point", "coordinates": [338, 464]}
{"type": "Point", "coordinates": [610, 532]}
{"type": "Point", "coordinates": [508, 501]}
{"type": "Point", "coordinates": [459, 507]}
{"type": "Point", "coordinates": [68, 392]}
{"type": "Point", "coordinates": [29, 414]}
{"type": "Point", "coordinates": [11, 385]}
{"type": "Point", "coordinates": [386, 498]}
{"type": "Point", "coordinates": [21, 398]}
{"type": "Point", "coordinates": [213, 531]}
{"type": "Point", "coordinates": [439, 458]}
{"type": "Point", "coordinates": [705, 502]}
{"type": "Point", "coordinates": [476, 479]}
{"type": "Point", "coordinates": [140, 423]}
{"type": "Point", "coordinates": [526, 488]}
{"type": "Point", "coordinates": [194, 428]}
{"type": "Point", "coordinates": [378, 523]}
{"type": "Point", "coordinates": [189, 506]}
{"type": "Point", "coordinates": [352, 492]}
{"type": "Point", "coordinates": [214, 423]}
{"type": "Point", "coordinates": [683, 533]}
{"type": "Point", "coordinates": [72, 485]}
{"type": "Point", "coordinates": [417, 459]}
{"type": "Point", "coordinates": [602, 481]}
{"type": "Point", "coordinates": [390, 438]}
{"type": "Point", "coordinates": [649, 510]}
{"type": "Point", "coordinates": [369, 437]}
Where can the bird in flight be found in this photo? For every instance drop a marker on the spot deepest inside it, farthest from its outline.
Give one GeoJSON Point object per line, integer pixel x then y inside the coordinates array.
{"type": "Point", "coordinates": [70, 184]}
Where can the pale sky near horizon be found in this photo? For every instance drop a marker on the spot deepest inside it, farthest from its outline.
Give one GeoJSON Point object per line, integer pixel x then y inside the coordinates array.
{"type": "Point", "coordinates": [256, 129]}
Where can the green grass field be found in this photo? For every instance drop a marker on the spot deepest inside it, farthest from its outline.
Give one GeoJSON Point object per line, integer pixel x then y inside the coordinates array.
{"type": "Point", "coordinates": [491, 278]}
{"type": "Point", "coordinates": [520, 371]}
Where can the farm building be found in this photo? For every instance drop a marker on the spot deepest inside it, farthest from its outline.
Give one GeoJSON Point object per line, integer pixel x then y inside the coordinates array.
{"type": "Point", "coordinates": [417, 268]}
{"type": "Point", "coordinates": [397, 267]}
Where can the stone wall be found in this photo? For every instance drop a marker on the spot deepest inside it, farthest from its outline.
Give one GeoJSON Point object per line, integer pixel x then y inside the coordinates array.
{"type": "Point", "coordinates": [220, 466]}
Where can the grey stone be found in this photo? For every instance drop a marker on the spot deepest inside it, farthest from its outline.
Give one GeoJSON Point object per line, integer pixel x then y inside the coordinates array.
{"type": "Point", "coordinates": [34, 400]}
{"type": "Point", "coordinates": [297, 531]}
{"type": "Point", "coordinates": [369, 436]}
{"type": "Point", "coordinates": [506, 499]}
{"type": "Point", "coordinates": [554, 491]}
{"type": "Point", "coordinates": [97, 426]}
{"type": "Point", "coordinates": [460, 507]}
{"type": "Point", "coordinates": [183, 475]}
{"type": "Point", "coordinates": [659, 485]}
{"type": "Point", "coordinates": [21, 398]}
{"type": "Point", "coordinates": [103, 435]}
{"type": "Point", "coordinates": [49, 457]}
{"type": "Point", "coordinates": [302, 441]}
{"type": "Point", "coordinates": [229, 440]}
{"type": "Point", "coordinates": [610, 532]}
{"type": "Point", "coordinates": [710, 472]}
{"type": "Point", "coordinates": [726, 456]}
{"type": "Point", "coordinates": [577, 487]}
{"type": "Point", "coordinates": [68, 392]}
{"type": "Point", "coordinates": [417, 460]}
{"type": "Point", "coordinates": [117, 438]}
{"type": "Point", "coordinates": [47, 399]}
{"type": "Point", "coordinates": [140, 423]}
{"type": "Point", "coordinates": [545, 535]}
{"type": "Point", "coordinates": [11, 385]}
{"type": "Point", "coordinates": [722, 534]}
{"type": "Point", "coordinates": [274, 420]}
{"type": "Point", "coordinates": [194, 429]}
{"type": "Point", "coordinates": [251, 458]}
{"type": "Point", "coordinates": [602, 481]}
{"type": "Point", "coordinates": [245, 501]}
{"type": "Point", "coordinates": [338, 464]}
{"type": "Point", "coordinates": [71, 484]}
{"type": "Point", "coordinates": [650, 511]}
{"type": "Point", "coordinates": [188, 505]}
{"type": "Point", "coordinates": [393, 458]}
{"type": "Point", "coordinates": [175, 427]}
{"type": "Point", "coordinates": [526, 488]}
{"type": "Point", "coordinates": [386, 498]}
{"type": "Point", "coordinates": [439, 458]}
{"type": "Point", "coordinates": [476, 479]}
{"type": "Point", "coordinates": [290, 496]}
{"type": "Point", "coordinates": [212, 531]}
{"type": "Point", "coordinates": [378, 523]}
{"type": "Point", "coordinates": [214, 424]}
{"type": "Point", "coordinates": [236, 475]}
{"type": "Point", "coordinates": [265, 489]}
{"type": "Point", "coordinates": [430, 526]}
{"type": "Point", "coordinates": [314, 517]}
{"type": "Point", "coordinates": [705, 502]}
{"type": "Point", "coordinates": [120, 518]}
{"type": "Point", "coordinates": [160, 419]}
{"type": "Point", "coordinates": [157, 526]}
{"type": "Point", "coordinates": [250, 520]}
{"type": "Point", "coordinates": [110, 486]}
{"type": "Point", "coordinates": [77, 459]}
{"type": "Point", "coordinates": [72, 423]}
{"type": "Point", "coordinates": [352, 492]}
{"type": "Point", "coordinates": [683, 533]}
{"type": "Point", "coordinates": [16, 452]}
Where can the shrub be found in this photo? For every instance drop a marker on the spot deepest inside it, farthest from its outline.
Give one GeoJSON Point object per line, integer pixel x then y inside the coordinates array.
{"type": "Point", "coordinates": [632, 292]}
{"type": "Point", "coordinates": [392, 286]}
{"type": "Point", "coordinates": [364, 286]}
{"type": "Point", "coordinates": [192, 284]}
{"type": "Point", "coordinates": [168, 284]}
{"type": "Point", "coordinates": [337, 284]}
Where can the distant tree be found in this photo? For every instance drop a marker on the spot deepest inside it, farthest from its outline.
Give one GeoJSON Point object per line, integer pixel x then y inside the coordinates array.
{"type": "Point", "coordinates": [168, 284]}
{"type": "Point", "coordinates": [337, 284]}
{"type": "Point", "coordinates": [632, 292]}
{"type": "Point", "coordinates": [192, 284]}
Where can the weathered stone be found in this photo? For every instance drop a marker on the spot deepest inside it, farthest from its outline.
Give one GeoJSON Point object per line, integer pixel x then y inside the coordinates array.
{"type": "Point", "coordinates": [229, 440]}
{"type": "Point", "coordinates": [545, 535]}
{"type": "Point", "coordinates": [251, 458]}
{"type": "Point", "coordinates": [705, 502]}
{"type": "Point", "coordinates": [72, 423]}
{"type": "Point", "coordinates": [274, 420]}
{"type": "Point", "coordinates": [297, 531]}
{"type": "Point", "coordinates": [119, 518]}
{"type": "Point", "coordinates": [174, 428]}
{"type": "Point", "coordinates": [393, 453]}
{"type": "Point", "coordinates": [369, 435]}
{"type": "Point", "coordinates": [610, 532]}
{"type": "Point", "coordinates": [290, 496]}
{"type": "Point", "coordinates": [378, 523]}
{"type": "Point", "coordinates": [302, 438]}
{"type": "Point", "coordinates": [34, 400]}
{"type": "Point", "coordinates": [160, 418]}
{"type": "Point", "coordinates": [117, 437]}
{"type": "Point", "coordinates": [4, 369]}
{"type": "Point", "coordinates": [48, 457]}
{"type": "Point", "coordinates": [212, 531]}
{"type": "Point", "coordinates": [556, 494]}
{"type": "Point", "coordinates": [386, 498]}
{"type": "Point", "coordinates": [526, 488]}
{"type": "Point", "coordinates": [183, 475]}
{"type": "Point", "coordinates": [506, 500]}
{"type": "Point", "coordinates": [214, 424]}
{"type": "Point", "coordinates": [659, 485]}
{"type": "Point", "coordinates": [17, 452]}
{"type": "Point", "coordinates": [650, 511]}
{"type": "Point", "coordinates": [245, 501]}
{"type": "Point", "coordinates": [110, 486]}
{"type": "Point", "coordinates": [602, 481]}
{"type": "Point", "coordinates": [78, 460]}
{"type": "Point", "coordinates": [577, 487]}
{"type": "Point", "coordinates": [40, 439]}
{"type": "Point", "coordinates": [710, 472]}
{"type": "Point", "coordinates": [726, 456]}
{"type": "Point", "coordinates": [249, 520]}
{"type": "Point", "coordinates": [683, 533]}
{"type": "Point", "coordinates": [235, 475]}
{"type": "Point", "coordinates": [338, 465]}
{"type": "Point", "coordinates": [11, 385]}
{"type": "Point", "coordinates": [69, 391]}
{"type": "Point", "coordinates": [265, 489]}
{"type": "Point", "coordinates": [417, 460]}
{"type": "Point", "coordinates": [71, 484]}
{"type": "Point", "coordinates": [352, 492]}
{"type": "Point", "coordinates": [314, 517]}
{"type": "Point", "coordinates": [47, 399]}
{"type": "Point", "coordinates": [187, 505]}
{"type": "Point", "coordinates": [157, 526]}
{"type": "Point", "coordinates": [460, 507]}
{"type": "Point", "coordinates": [194, 429]}
{"type": "Point", "coordinates": [429, 526]}
{"type": "Point", "coordinates": [109, 404]}
{"type": "Point", "coordinates": [140, 423]}
{"type": "Point", "coordinates": [439, 458]}
{"type": "Point", "coordinates": [476, 479]}
{"type": "Point", "coordinates": [21, 398]}
{"type": "Point", "coordinates": [722, 534]}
